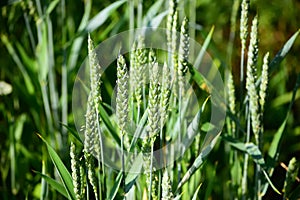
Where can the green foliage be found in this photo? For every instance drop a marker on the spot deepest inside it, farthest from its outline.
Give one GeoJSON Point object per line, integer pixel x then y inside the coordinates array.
{"type": "Point", "coordinates": [43, 43]}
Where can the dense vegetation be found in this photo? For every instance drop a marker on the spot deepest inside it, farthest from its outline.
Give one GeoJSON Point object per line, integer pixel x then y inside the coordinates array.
{"type": "Point", "coordinates": [51, 132]}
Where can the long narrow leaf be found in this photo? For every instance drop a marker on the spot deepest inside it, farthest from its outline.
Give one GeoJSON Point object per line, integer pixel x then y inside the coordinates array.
{"type": "Point", "coordinates": [199, 161]}
{"type": "Point", "coordinates": [256, 155]}
{"type": "Point", "coordinates": [62, 170]}
{"type": "Point", "coordinates": [193, 128]}
{"type": "Point", "coordinates": [74, 133]}
{"type": "Point", "coordinates": [204, 48]}
{"type": "Point", "coordinates": [102, 16]}
{"type": "Point", "coordinates": [196, 192]}
{"type": "Point", "coordinates": [116, 186]}
{"type": "Point", "coordinates": [105, 117]}
{"type": "Point", "coordinates": [283, 52]}
{"type": "Point", "coordinates": [153, 10]}
{"type": "Point", "coordinates": [56, 185]}
{"type": "Point", "coordinates": [274, 148]}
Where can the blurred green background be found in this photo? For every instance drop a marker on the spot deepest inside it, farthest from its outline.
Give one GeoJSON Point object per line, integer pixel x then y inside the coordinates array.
{"type": "Point", "coordinates": [43, 43]}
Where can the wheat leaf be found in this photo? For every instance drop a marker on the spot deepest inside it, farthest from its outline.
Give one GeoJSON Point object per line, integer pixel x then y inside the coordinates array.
{"type": "Point", "coordinates": [62, 170]}
{"type": "Point", "coordinates": [102, 16]}
{"type": "Point", "coordinates": [196, 192]}
{"type": "Point", "coordinates": [116, 186]}
{"type": "Point", "coordinates": [199, 160]}
{"type": "Point", "coordinates": [193, 128]}
{"type": "Point", "coordinates": [56, 185]}
{"type": "Point", "coordinates": [283, 52]}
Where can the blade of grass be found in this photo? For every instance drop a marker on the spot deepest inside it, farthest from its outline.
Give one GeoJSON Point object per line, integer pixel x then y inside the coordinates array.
{"type": "Point", "coordinates": [199, 160]}
{"type": "Point", "coordinates": [153, 10]}
{"type": "Point", "coordinates": [62, 170]}
{"type": "Point", "coordinates": [274, 149]}
{"type": "Point", "coordinates": [102, 16]}
{"type": "Point", "coordinates": [283, 52]}
{"type": "Point", "coordinates": [44, 186]}
{"type": "Point", "coordinates": [15, 57]}
{"type": "Point", "coordinates": [193, 128]}
{"type": "Point", "coordinates": [105, 117]}
{"type": "Point", "coordinates": [275, 145]}
{"type": "Point", "coordinates": [74, 133]}
{"type": "Point", "coordinates": [252, 150]}
{"type": "Point", "coordinates": [77, 43]}
{"type": "Point", "coordinates": [201, 54]}
{"type": "Point", "coordinates": [196, 192]}
{"type": "Point", "coordinates": [56, 185]}
{"type": "Point", "coordinates": [116, 186]}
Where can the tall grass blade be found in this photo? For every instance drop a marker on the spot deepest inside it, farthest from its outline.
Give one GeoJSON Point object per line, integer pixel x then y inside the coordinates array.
{"type": "Point", "coordinates": [252, 150]}
{"type": "Point", "coordinates": [193, 128]}
{"type": "Point", "coordinates": [283, 52]}
{"type": "Point", "coordinates": [196, 192]}
{"type": "Point", "coordinates": [76, 46]}
{"type": "Point", "coordinates": [156, 21]}
{"type": "Point", "coordinates": [207, 40]}
{"type": "Point", "coordinates": [54, 184]}
{"type": "Point", "coordinates": [199, 160]}
{"type": "Point", "coordinates": [15, 57]}
{"type": "Point", "coordinates": [275, 145]}
{"type": "Point", "coordinates": [102, 16]}
{"type": "Point", "coordinates": [107, 122]}
{"type": "Point", "coordinates": [74, 133]}
{"type": "Point", "coordinates": [153, 10]}
{"type": "Point", "coordinates": [62, 170]}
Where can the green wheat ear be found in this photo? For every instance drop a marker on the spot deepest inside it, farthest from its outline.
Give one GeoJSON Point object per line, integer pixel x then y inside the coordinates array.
{"type": "Point", "coordinates": [172, 9]}
{"type": "Point", "coordinates": [75, 168]}
{"type": "Point", "coordinates": [231, 98]}
{"type": "Point", "coordinates": [122, 94]}
{"type": "Point", "coordinates": [95, 73]}
{"type": "Point", "coordinates": [251, 78]}
{"type": "Point", "coordinates": [165, 94]}
{"type": "Point", "coordinates": [264, 82]}
{"type": "Point", "coordinates": [183, 54]}
{"type": "Point", "coordinates": [90, 165]}
{"type": "Point", "coordinates": [175, 54]}
{"type": "Point", "coordinates": [244, 23]}
{"type": "Point", "coordinates": [166, 187]}
{"type": "Point", "coordinates": [153, 105]}
{"type": "Point", "coordinates": [231, 93]}
{"type": "Point", "coordinates": [153, 125]}
{"type": "Point", "coordinates": [92, 127]}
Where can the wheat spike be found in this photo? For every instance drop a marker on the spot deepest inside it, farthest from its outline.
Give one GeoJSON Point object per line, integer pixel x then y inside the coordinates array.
{"type": "Point", "coordinates": [264, 82]}
{"type": "Point", "coordinates": [75, 168]}
{"type": "Point", "coordinates": [251, 78]}
{"type": "Point", "coordinates": [183, 54]}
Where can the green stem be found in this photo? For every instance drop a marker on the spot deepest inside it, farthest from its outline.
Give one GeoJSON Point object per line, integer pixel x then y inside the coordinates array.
{"type": "Point", "coordinates": [246, 158]}
{"type": "Point", "coordinates": [151, 168]}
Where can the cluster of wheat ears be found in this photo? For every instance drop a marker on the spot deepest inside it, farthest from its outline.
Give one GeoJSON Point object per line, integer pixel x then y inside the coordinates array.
{"type": "Point", "coordinates": [154, 97]}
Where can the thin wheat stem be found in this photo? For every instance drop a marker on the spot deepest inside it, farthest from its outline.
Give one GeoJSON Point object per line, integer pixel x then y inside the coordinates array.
{"type": "Point", "coordinates": [131, 20]}
{"type": "Point", "coordinates": [140, 13]}
{"type": "Point", "coordinates": [246, 158]}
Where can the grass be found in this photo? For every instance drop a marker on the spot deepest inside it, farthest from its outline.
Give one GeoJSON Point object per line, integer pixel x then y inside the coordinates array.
{"type": "Point", "coordinates": [43, 44]}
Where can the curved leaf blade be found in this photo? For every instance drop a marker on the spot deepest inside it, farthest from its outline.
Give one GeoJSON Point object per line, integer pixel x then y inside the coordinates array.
{"type": "Point", "coordinates": [62, 170]}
